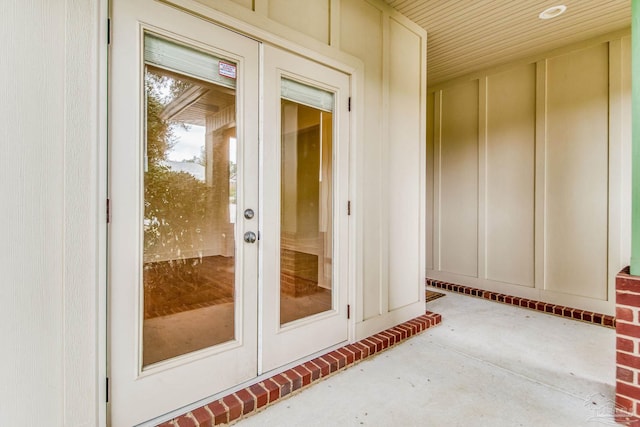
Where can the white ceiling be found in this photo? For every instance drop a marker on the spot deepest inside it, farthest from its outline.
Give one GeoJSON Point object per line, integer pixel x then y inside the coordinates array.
{"type": "Point", "coordinates": [469, 35]}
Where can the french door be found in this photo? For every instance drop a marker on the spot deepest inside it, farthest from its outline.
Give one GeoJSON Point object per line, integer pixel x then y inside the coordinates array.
{"type": "Point", "coordinates": [228, 251]}
{"type": "Point", "coordinates": [305, 195]}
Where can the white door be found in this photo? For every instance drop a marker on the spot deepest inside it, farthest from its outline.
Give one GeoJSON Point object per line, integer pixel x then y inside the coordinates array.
{"type": "Point", "coordinates": [227, 255]}
{"type": "Point", "coordinates": [304, 244]}
{"type": "Point", "coordinates": [183, 170]}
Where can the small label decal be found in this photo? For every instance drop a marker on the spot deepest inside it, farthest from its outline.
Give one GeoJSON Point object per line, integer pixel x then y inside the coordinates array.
{"type": "Point", "coordinates": [227, 70]}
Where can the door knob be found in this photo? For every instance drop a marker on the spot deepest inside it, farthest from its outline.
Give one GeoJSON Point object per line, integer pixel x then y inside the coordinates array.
{"type": "Point", "coordinates": [250, 237]}
{"type": "Point", "coordinates": [248, 213]}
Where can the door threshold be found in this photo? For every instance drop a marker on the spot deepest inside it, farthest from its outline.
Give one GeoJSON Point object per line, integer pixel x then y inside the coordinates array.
{"type": "Point", "coordinates": [258, 396]}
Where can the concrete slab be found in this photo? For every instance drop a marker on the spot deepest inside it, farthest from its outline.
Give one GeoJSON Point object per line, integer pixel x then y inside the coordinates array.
{"type": "Point", "coordinates": [488, 364]}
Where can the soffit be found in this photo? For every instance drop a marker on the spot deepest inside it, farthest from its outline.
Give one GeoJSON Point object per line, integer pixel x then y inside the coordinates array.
{"type": "Point", "coordinates": [468, 35]}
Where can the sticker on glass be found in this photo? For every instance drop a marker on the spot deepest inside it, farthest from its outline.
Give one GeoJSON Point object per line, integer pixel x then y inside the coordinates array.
{"type": "Point", "coordinates": [227, 70]}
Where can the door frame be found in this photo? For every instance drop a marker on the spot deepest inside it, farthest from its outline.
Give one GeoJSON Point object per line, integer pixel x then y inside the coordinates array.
{"type": "Point", "coordinates": [253, 25]}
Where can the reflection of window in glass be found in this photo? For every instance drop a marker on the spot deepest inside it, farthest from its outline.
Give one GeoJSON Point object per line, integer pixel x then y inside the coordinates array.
{"type": "Point", "coordinates": [189, 239]}
{"type": "Point", "coordinates": [306, 201]}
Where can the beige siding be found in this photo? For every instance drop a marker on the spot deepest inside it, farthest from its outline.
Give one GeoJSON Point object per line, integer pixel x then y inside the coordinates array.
{"type": "Point", "coordinates": [531, 176]}
{"type": "Point", "coordinates": [405, 164]}
{"type": "Point", "coordinates": [510, 156]}
{"type": "Point", "coordinates": [308, 17]}
{"type": "Point", "coordinates": [577, 172]}
{"type": "Point", "coordinates": [458, 176]}
{"type": "Point", "coordinates": [32, 213]}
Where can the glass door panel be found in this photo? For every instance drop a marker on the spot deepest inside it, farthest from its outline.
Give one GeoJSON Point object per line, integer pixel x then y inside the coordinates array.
{"type": "Point", "coordinates": [306, 210]}
{"type": "Point", "coordinates": [183, 167]}
{"type": "Point", "coordinates": [189, 202]}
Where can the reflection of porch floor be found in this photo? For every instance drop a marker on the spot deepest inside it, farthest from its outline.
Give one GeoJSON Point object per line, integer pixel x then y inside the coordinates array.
{"type": "Point", "coordinates": [175, 334]}
{"type": "Point", "coordinates": [293, 308]}
{"type": "Point", "coordinates": [194, 310]}
{"type": "Point", "coordinates": [186, 331]}
{"type": "Point", "coordinates": [166, 294]}
{"type": "Point", "coordinates": [208, 282]}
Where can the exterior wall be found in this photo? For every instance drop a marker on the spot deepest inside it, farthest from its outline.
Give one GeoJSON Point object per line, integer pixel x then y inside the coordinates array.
{"type": "Point", "coordinates": [52, 357]}
{"type": "Point", "coordinates": [53, 171]}
{"type": "Point", "coordinates": [529, 178]}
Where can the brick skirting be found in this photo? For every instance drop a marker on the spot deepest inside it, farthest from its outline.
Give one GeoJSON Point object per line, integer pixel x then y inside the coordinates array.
{"type": "Point", "coordinates": [628, 348]}
{"type": "Point", "coordinates": [557, 310]}
{"type": "Point", "coordinates": [257, 396]}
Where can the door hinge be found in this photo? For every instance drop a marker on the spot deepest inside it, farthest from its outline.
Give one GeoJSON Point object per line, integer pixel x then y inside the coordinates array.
{"type": "Point", "coordinates": [349, 104]}
{"type": "Point", "coordinates": [107, 390]}
{"type": "Point", "coordinates": [108, 211]}
{"type": "Point", "coordinates": [348, 311]}
{"type": "Point", "coordinates": [108, 31]}
{"type": "Point", "coordinates": [349, 207]}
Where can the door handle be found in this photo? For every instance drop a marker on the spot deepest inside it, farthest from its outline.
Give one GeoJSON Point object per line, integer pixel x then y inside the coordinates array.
{"type": "Point", "coordinates": [250, 237]}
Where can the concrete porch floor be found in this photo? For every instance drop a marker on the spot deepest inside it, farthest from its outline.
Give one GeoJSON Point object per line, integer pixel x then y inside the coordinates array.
{"type": "Point", "coordinates": [487, 364]}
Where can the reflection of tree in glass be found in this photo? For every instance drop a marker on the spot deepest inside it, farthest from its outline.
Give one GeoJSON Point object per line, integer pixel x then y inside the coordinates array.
{"type": "Point", "coordinates": [175, 203]}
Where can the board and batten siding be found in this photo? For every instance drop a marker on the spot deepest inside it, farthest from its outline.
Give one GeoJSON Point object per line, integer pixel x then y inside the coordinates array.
{"type": "Point", "coordinates": [528, 188]}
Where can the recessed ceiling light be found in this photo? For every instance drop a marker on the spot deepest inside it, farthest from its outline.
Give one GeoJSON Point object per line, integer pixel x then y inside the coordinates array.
{"type": "Point", "coordinates": [552, 12]}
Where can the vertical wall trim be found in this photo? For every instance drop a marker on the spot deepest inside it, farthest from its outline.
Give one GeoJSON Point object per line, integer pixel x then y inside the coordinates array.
{"type": "Point", "coordinates": [85, 234]}
{"type": "Point", "coordinates": [625, 218]}
{"type": "Point", "coordinates": [429, 189]}
{"type": "Point", "coordinates": [635, 138]}
{"type": "Point", "coordinates": [437, 181]}
{"type": "Point", "coordinates": [422, 220]}
{"type": "Point", "coordinates": [615, 171]}
{"type": "Point", "coordinates": [103, 193]}
{"type": "Point", "coordinates": [261, 7]}
{"type": "Point", "coordinates": [483, 92]}
{"type": "Point", "coordinates": [540, 174]}
{"type": "Point", "coordinates": [384, 168]}
{"type": "Point", "coordinates": [356, 177]}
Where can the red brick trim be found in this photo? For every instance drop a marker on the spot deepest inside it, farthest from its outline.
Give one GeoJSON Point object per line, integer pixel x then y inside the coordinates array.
{"type": "Point", "coordinates": [627, 347]}
{"type": "Point", "coordinates": [258, 396]}
{"type": "Point", "coordinates": [557, 310]}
